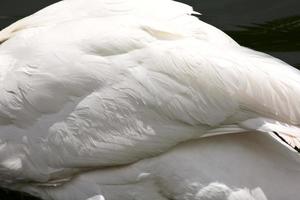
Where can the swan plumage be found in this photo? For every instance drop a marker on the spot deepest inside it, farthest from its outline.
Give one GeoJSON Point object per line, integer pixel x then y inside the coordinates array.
{"type": "Point", "coordinates": [88, 86]}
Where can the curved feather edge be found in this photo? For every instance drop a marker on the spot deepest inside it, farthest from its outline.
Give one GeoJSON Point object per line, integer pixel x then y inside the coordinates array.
{"type": "Point", "coordinates": [288, 135]}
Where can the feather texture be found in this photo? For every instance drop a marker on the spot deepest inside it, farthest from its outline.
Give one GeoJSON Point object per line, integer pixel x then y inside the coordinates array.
{"type": "Point", "coordinates": [102, 83]}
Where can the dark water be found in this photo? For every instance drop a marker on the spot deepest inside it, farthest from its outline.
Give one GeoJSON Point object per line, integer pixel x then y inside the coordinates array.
{"type": "Point", "coordinates": [265, 25]}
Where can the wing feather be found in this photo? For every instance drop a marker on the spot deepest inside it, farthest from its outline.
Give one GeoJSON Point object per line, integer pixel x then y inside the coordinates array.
{"type": "Point", "coordinates": [124, 85]}
{"type": "Point", "coordinates": [286, 132]}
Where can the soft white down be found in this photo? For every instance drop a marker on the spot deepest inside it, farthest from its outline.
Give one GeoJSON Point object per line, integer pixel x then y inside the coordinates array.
{"type": "Point", "coordinates": [140, 100]}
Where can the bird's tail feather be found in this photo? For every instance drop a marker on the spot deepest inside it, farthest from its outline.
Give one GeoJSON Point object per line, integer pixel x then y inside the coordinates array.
{"type": "Point", "coordinates": [285, 133]}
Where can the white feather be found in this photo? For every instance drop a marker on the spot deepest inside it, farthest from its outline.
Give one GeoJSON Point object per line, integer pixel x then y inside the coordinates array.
{"type": "Point", "coordinates": [92, 84]}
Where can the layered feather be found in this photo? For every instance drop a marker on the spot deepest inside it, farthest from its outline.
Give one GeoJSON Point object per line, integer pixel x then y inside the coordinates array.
{"type": "Point", "coordinates": [106, 83]}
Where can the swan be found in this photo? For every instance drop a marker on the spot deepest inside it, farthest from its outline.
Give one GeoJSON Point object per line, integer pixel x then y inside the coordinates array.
{"type": "Point", "coordinates": [137, 99]}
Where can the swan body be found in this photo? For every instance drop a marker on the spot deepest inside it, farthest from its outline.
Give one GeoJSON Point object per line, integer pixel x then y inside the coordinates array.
{"type": "Point", "coordinates": [94, 94]}
{"type": "Point", "coordinates": [195, 170]}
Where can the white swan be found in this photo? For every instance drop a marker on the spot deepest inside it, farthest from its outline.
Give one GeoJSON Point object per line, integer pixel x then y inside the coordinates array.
{"type": "Point", "coordinates": [137, 99]}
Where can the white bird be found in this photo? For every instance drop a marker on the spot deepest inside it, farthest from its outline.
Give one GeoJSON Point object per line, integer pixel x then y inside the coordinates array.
{"type": "Point", "coordinates": [138, 99]}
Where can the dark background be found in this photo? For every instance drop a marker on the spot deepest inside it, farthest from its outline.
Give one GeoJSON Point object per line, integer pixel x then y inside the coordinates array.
{"type": "Point", "coordinates": [272, 26]}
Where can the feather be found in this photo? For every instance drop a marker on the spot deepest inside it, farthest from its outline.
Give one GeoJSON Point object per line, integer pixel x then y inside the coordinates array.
{"type": "Point", "coordinates": [288, 133]}
{"type": "Point", "coordinates": [127, 84]}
